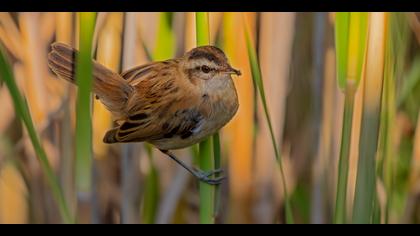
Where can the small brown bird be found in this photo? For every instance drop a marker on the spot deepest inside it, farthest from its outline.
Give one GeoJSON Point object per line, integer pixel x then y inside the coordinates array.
{"type": "Point", "coordinates": [171, 104]}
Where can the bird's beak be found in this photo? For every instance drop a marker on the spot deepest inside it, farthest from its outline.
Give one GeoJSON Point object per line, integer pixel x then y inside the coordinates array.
{"type": "Point", "coordinates": [231, 70]}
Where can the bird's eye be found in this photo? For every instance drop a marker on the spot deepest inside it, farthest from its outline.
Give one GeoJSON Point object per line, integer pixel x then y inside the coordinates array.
{"type": "Point", "coordinates": [205, 69]}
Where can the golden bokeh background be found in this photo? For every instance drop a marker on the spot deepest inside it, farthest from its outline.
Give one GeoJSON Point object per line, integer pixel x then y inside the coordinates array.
{"type": "Point", "coordinates": [131, 185]}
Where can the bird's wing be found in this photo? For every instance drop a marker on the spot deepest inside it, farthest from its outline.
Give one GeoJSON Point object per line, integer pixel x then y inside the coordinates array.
{"type": "Point", "coordinates": [146, 71]}
{"type": "Point", "coordinates": [139, 72]}
{"type": "Point", "coordinates": [160, 108]}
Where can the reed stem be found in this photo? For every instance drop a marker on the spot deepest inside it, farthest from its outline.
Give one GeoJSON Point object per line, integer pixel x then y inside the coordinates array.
{"type": "Point", "coordinates": [83, 113]}
{"type": "Point", "coordinates": [368, 146]}
{"type": "Point", "coordinates": [206, 163]}
{"type": "Point", "coordinates": [343, 165]}
{"type": "Point", "coordinates": [256, 76]}
{"type": "Point", "coordinates": [22, 110]}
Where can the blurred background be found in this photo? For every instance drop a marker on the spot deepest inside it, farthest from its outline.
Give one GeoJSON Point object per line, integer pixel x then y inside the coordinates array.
{"type": "Point", "coordinates": [135, 183]}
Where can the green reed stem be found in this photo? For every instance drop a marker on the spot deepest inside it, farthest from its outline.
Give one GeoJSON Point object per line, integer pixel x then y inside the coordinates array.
{"type": "Point", "coordinates": [83, 113]}
{"type": "Point", "coordinates": [365, 183]}
{"type": "Point", "coordinates": [165, 39]}
{"type": "Point", "coordinates": [151, 190]}
{"type": "Point", "coordinates": [217, 165]}
{"type": "Point", "coordinates": [256, 76]}
{"type": "Point", "coordinates": [22, 110]}
{"type": "Point", "coordinates": [350, 43]}
{"type": "Point", "coordinates": [206, 190]}
{"type": "Point", "coordinates": [376, 215]}
{"type": "Point", "coordinates": [202, 28]}
{"type": "Point", "coordinates": [368, 146]}
{"type": "Point", "coordinates": [343, 165]}
{"type": "Point", "coordinates": [206, 163]}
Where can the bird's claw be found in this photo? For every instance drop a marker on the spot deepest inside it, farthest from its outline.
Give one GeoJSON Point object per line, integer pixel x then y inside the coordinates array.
{"type": "Point", "coordinates": [204, 176]}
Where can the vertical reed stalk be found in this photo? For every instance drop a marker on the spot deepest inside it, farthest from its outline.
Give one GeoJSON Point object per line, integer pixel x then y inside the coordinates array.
{"type": "Point", "coordinates": [256, 76]}
{"type": "Point", "coordinates": [217, 165]}
{"type": "Point", "coordinates": [130, 176]}
{"type": "Point", "coordinates": [206, 190]}
{"type": "Point", "coordinates": [206, 162]}
{"type": "Point", "coordinates": [83, 112]}
{"type": "Point", "coordinates": [22, 110]}
{"type": "Point", "coordinates": [343, 165]}
{"type": "Point", "coordinates": [151, 190]}
{"type": "Point", "coordinates": [366, 182]}
{"type": "Point", "coordinates": [350, 39]}
{"type": "Point", "coordinates": [164, 49]}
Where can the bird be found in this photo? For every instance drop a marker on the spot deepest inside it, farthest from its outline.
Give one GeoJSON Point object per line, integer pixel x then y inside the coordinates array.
{"type": "Point", "coordinates": [171, 104]}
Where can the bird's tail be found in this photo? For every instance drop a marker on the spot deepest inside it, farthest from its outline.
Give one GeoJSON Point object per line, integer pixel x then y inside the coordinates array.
{"type": "Point", "coordinates": [110, 87]}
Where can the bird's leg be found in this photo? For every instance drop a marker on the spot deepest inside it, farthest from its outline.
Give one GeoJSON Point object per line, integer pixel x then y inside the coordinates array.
{"type": "Point", "coordinates": [199, 174]}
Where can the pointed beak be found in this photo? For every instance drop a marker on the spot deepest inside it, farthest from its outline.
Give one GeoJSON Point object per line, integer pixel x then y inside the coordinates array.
{"type": "Point", "coordinates": [231, 70]}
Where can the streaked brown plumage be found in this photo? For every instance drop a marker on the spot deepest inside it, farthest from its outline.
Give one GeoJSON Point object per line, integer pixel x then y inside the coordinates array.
{"type": "Point", "coordinates": [171, 104]}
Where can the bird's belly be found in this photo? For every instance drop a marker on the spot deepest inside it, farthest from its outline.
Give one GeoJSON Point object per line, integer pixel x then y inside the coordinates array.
{"type": "Point", "coordinates": [176, 142]}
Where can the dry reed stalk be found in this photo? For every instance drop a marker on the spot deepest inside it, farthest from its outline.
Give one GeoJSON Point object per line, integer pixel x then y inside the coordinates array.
{"type": "Point", "coordinates": [238, 134]}
{"type": "Point", "coordinates": [130, 176]}
{"type": "Point", "coordinates": [35, 66]}
{"type": "Point", "coordinates": [374, 72]}
{"type": "Point", "coordinates": [14, 207]}
{"type": "Point", "coordinates": [7, 110]}
{"type": "Point", "coordinates": [108, 54]}
{"type": "Point", "coordinates": [275, 54]}
{"type": "Point", "coordinates": [10, 34]}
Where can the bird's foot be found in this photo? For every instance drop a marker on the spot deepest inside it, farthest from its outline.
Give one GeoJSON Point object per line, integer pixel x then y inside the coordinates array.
{"type": "Point", "coordinates": [205, 176]}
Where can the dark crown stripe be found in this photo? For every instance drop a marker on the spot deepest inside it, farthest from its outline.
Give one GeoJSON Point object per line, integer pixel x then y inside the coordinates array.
{"type": "Point", "coordinates": [202, 54]}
